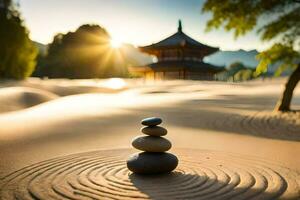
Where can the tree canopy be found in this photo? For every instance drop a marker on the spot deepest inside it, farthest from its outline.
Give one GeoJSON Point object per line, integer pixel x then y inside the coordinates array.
{"type": "Point", "coordinates": [85, 53]}
{"type": "Point", "coordinates": [276, 21]}
{"type": "Point", "coordinates": [17, 52]}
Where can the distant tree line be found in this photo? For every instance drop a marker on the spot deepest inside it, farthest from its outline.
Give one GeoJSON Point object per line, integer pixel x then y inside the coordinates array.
{"type": "Point", "coordinates": [236, 72]}
{"type": "Point", "coordinates": [85, 53]}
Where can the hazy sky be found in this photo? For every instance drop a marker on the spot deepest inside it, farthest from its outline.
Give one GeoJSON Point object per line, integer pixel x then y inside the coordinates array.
{"type": "Point", "coordinates": [139, 22]}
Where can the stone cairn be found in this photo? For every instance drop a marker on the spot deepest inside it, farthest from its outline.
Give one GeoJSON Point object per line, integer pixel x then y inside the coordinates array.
{"type": "Point", "coordinates": [154, 159]}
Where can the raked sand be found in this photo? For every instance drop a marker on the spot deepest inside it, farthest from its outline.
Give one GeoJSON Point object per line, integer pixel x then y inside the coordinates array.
{"type": "Point", "coordinates": [52, 118]}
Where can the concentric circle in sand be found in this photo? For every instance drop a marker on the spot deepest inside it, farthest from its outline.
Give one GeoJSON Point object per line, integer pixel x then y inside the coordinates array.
{"type": "Point", "coordinates": [200, 175]}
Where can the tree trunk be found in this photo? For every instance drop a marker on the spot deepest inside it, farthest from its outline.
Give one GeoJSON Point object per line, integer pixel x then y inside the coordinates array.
{"type": "Point", "coordinates": [285, 101]}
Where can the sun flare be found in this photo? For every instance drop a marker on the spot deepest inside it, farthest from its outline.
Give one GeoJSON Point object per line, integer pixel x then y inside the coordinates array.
{"type": "Point", "coordinates": [115, 43]}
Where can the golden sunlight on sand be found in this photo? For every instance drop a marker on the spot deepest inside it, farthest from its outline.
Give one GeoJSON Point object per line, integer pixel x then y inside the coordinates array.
{"type": "Point", "coordinates": [51, 118]}
{"type": "Point", "coordinates": [115, 83]}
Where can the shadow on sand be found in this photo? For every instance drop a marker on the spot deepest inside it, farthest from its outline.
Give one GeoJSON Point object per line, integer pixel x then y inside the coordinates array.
{"type": "Point", "coordinates": [177, 185]}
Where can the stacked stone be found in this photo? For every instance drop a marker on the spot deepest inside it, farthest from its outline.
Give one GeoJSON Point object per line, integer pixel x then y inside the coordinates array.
{"type": "Point", "coordinates": [154, 159]}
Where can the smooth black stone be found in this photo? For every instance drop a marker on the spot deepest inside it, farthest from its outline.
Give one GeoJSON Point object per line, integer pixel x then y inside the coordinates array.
{"type": "Point", "coordinates": [151, 121]}
{"type": "Point", "coordinates": [152, 163]}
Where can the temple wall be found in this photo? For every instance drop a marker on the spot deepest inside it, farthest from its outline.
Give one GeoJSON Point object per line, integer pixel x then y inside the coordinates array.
{"type": "Point", "coordinates": [179, 75]}
{"type": "Point", "coordinates": [200, 76]}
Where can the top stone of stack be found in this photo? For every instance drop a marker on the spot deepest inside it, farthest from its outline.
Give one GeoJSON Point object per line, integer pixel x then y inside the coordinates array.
{"type": "Point", "coordinates": [151, 121]}
{"type": "Point", "coordinates": [151, 127]}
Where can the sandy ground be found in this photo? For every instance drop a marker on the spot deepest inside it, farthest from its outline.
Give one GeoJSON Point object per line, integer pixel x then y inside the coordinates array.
{"type": "Point", "coordinates": [200, 175]}
{"type": "Point", "coordinates": [43, 119]}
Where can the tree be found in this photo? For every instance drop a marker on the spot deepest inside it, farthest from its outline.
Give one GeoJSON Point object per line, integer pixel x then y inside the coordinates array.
{"type": "Point", "coordinates": [236, 71]}
{"type": "Point", "coordinates": [236, 66]}
{"type": "Point", "coordinates": [85, 53]}
{"type": "Point", "coordinates": [243, 75]}
{"type": "Point", "coordinates": [17, 52]}
{"type": "Point", "coordinates": [275, 20]}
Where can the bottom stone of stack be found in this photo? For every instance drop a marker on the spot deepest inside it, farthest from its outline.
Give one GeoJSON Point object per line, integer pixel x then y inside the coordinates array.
{"type": "Point", "coordinates": [152, 163]}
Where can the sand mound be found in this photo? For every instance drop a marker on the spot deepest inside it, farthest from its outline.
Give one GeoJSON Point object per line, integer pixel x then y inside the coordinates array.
{"type": "Point", "coordinates": [66, 87]}
{"type": "Point", "coordinates": [200, 175]}
{"type": "Point", "coordinates": [17, 98]}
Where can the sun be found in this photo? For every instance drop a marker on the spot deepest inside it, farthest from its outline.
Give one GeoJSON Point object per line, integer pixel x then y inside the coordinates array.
{"type": "Point", "coordinates": [115, 43]}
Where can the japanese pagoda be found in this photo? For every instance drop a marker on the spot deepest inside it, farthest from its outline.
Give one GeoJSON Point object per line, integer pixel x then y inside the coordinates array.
{"type": "Point", "coordinates": [178, 57]}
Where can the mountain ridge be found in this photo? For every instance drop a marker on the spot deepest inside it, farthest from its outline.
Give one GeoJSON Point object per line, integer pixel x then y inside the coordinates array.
{"type": "Point", "coordinates": [225, 58]}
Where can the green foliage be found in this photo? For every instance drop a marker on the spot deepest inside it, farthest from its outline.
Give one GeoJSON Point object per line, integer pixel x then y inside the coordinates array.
{"type": "Point", "coordinates": [244, 75]}
{"type": "Point", "coordinates": [282, 55]}
{"type": "Point", "coordinates": [286, 27]}
{"type": "Point", "coordinates": [237, 71]}
{"type": "Point", "coordinates": [17, 51]}
{"type": "Point", "coordinates": [241, 16]}
{"type": "Point", "coordinates": [230, 15]}
{"type": "Point", "coordinates": [85, 53]}
{"type": "Point", "coordinates": [279, 21]}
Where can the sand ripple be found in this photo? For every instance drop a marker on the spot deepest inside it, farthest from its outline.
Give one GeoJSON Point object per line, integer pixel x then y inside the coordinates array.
{"type": "Point", "coordinates": [277, 125]}
{"type": "Point", "coordinates": [200, 175]}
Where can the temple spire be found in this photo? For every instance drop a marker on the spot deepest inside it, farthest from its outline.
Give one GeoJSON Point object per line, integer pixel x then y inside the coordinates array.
{"type": "Point", "coordinates": [179, 26]}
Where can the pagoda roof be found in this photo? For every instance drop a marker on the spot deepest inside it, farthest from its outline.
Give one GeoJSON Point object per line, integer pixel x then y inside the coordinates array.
{"type": "Point", "coordinates": [179, 39]}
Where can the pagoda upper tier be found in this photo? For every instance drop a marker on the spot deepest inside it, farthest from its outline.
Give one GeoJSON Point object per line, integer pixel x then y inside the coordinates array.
{"type": "Point", "coordinates": [179, 46]}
